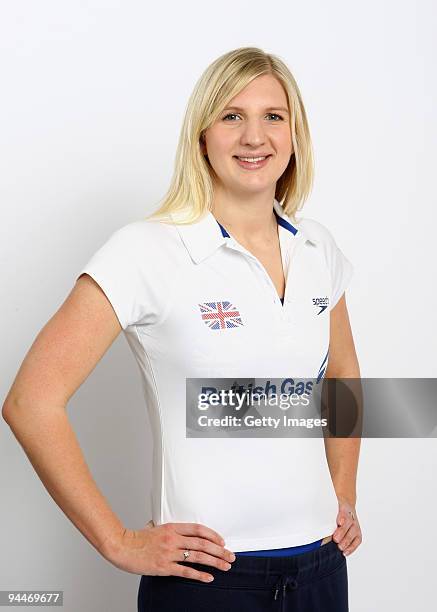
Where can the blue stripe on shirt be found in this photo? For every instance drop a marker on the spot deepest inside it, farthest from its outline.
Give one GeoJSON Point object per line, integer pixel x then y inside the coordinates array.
{"type": "Point", "coordinates": [282, 552]}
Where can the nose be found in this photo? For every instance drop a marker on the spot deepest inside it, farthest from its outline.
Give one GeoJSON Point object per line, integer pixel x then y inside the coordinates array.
{"type": "Point", "coordinates": [253, 133]}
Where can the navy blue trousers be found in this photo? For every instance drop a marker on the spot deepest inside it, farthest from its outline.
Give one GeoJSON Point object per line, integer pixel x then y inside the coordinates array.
{"type": "Point", "coordinates": [315, 581]}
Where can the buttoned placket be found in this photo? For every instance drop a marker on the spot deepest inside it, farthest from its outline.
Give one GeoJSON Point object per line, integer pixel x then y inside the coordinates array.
{"type": "Point", "coordinates": [289, 247]}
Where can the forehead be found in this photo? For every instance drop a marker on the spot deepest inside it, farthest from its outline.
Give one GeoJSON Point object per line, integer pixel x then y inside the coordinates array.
{"type": "Point", "coordinates": [264, 91]}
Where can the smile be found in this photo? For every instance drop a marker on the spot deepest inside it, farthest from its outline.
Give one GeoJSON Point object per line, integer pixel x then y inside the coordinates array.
{"type": "Point", "coordinates": [252, 163]}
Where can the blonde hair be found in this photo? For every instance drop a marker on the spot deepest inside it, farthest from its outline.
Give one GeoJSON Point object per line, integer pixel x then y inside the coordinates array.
{"type": "Point", "coordinates": [191, 192]}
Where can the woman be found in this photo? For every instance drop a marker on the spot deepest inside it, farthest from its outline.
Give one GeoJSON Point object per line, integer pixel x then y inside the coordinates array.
{"type": "Point", "coordinates": [222, 281]}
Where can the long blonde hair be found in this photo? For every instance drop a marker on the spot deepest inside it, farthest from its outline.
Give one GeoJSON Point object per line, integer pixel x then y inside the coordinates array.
{"type": "Point", "coordinates": [190, 193]}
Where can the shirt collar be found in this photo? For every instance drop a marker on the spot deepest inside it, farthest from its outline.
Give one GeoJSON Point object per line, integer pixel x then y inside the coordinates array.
{"type": "Point", "coordinates": [206, 235]}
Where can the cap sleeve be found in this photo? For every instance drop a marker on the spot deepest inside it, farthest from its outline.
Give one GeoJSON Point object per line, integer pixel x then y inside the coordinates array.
{"type": "Point", "coordinates": [341, 273]}
{"type": "Point", "coordinates": [115, 267]}
{"type": "Point", "coordinates": [339, 267]}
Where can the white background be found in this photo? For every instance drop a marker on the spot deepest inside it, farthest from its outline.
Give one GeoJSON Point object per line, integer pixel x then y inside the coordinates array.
{"type": "Point", "coordinates": [92, 99]}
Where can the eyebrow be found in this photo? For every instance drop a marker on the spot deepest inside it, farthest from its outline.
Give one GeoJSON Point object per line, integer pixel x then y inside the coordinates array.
{"type": "Point", "coordinates": [270, 108]}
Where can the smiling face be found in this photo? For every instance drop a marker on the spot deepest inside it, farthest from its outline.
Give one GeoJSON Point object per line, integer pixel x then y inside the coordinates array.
{"type": "Point", "coordinates": [255, 123]}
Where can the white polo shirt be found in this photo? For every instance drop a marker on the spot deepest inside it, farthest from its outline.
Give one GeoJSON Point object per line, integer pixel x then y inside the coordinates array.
{"type": "Point", "coordinates": [162, 279]}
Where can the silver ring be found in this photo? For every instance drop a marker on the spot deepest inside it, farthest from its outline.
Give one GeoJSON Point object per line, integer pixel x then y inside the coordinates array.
{"type": "Point", "coordinates": [186, 554]}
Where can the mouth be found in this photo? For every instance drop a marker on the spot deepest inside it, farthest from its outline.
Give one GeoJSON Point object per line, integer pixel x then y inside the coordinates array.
{"type": "Point", "coordinates": [252, 163]}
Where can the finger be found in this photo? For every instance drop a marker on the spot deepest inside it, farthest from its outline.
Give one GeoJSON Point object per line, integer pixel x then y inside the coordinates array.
{"type": "Point", "coordinates": [189, 572]}
{"type": "Point", "coordinates": [350, 535]}
{"type": "Point", "coordinates": [341, 532]}
{"type": "Point", "coordinates": [344, 522]}
{"type": "Point", "coordinates": [199, 530]}
{"type": "Point", "coordinates": [205, 546]}
{"type": "Point", "coordinates": [353, 545]}
{"type": "Point", "coordinates": [197, 556]}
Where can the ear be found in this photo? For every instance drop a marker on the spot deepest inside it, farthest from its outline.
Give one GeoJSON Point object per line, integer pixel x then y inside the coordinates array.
{"type": "Point", "coordinates": [202, 143]}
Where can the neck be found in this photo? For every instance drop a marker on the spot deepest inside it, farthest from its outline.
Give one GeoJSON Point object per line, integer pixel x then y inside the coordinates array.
{"type": "Point", "coordinates": [251, 218]}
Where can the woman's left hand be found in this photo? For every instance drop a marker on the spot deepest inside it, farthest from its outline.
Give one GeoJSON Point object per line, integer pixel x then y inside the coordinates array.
{"type": "Point", "coordinates": [348, 533]}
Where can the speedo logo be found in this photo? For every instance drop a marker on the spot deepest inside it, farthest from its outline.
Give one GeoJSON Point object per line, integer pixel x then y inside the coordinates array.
{"type": "Point", "coordinates": [321, 303]}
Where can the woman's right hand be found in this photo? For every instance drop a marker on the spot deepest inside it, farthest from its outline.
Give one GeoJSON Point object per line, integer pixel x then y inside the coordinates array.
{"type": "Point", "coordinates": [157, 550]}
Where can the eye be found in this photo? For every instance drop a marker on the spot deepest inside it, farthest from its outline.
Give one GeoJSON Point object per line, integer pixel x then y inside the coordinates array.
{"type": "Point", "coordinates": [280, 118]}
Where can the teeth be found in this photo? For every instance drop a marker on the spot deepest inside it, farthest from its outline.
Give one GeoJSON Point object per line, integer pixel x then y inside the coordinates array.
{"type": "Point", "coordinates": [252, 159]}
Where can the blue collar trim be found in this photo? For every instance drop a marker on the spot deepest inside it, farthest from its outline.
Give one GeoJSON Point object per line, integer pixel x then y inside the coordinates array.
{"type": "Point", "coordinates": [279, 219]}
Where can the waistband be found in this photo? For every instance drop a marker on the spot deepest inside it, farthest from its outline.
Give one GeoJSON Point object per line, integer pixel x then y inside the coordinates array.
{"type": "Point", "coordinates": [276, 573]}
{"type": "Point", "coordinates": [281, 552]}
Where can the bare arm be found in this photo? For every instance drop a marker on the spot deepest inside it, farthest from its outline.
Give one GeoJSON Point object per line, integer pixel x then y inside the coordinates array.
{"type": "Point", "coordinates": [343, 453]}
{"type": "Point", "coordinates": [61, 357]}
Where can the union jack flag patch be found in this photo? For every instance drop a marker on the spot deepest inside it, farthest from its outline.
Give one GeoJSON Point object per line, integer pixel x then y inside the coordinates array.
{"type": "Point", "coordinates": [220, 315]}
